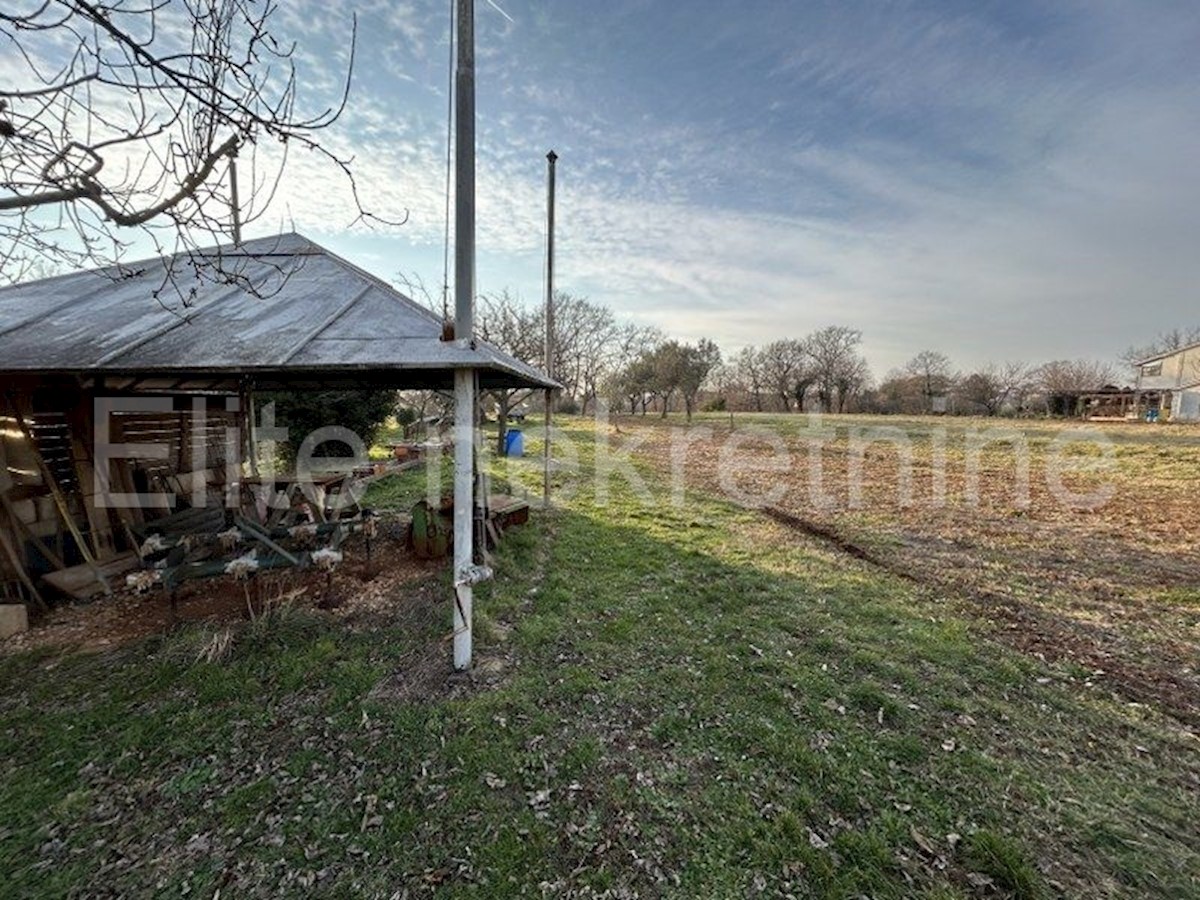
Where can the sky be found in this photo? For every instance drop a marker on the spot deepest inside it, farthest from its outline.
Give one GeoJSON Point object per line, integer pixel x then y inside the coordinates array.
{"type": "Point", "coordinates": [995, 180]}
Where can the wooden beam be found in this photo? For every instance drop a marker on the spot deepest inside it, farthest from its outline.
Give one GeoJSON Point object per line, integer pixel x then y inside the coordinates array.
{"type": "Point", "coordinates": [84, 582]}
{"type": "Point", "coordinates": [19, 524]}
{"type": "Point", "coordinates": [262, 537]}
{"type": "Point", "coordinates": [79, 420]}
{"type": "Point", "coordinates": [18, 565]}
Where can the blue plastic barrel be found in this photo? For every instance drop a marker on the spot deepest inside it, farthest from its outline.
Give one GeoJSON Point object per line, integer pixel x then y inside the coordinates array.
{"type": "Point", "coordinates": [514, 442]}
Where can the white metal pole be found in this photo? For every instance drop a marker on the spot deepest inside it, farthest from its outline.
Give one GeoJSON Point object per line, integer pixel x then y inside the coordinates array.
{"type": "Point", "coordinates": [464, 483]}
{"type": "Point", "coordinates": [551, 160]}
{"type": "Point", "coordinates": [464, 328]}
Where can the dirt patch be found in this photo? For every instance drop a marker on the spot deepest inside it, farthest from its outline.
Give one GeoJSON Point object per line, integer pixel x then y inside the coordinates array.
{"type": "Point", "coordinates": [831, 537]}
{"type": "Point", "coordinates": [354, 592]}
{"type": "Point", "coordinates": [424, 676]}
{"type": "Point", "coordinates": [1100, 653]}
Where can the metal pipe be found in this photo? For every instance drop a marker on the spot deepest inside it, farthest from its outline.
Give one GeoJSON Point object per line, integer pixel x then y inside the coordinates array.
{"type": "Point", "coordinates": [551, 160]}
{"type": "Point", "coordinates": [464, 160]}
{"type": "Point", "coordinates": [464, 329]}
{"type": "Point", "coordinates": [464, 483]}
{"type": "Point", "coordinates": [234, 200]}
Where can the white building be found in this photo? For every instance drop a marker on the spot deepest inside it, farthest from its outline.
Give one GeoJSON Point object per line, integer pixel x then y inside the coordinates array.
{"type": "Point", "coordinates": [1170, 383]}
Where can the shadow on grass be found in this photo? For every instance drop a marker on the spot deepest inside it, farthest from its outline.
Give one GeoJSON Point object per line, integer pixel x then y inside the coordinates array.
{"type": "Point", "coordinates": [695, 705]}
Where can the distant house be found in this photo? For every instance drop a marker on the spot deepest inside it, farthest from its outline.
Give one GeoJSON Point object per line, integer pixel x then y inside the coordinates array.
{"type": "Point", "coordinates": [1169, 383]}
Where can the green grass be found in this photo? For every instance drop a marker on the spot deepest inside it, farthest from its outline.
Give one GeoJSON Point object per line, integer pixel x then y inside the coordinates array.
{"type": "Point", "coordinates": [398, 492]}
{"type": "Point", "coordinates": [998, 858]}
{"type": "Point", "coordinates": [694, 703]}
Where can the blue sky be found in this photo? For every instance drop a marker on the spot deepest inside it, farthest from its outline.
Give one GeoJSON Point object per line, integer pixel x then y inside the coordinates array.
{"type": "Point", "coordinates": [994, 180]}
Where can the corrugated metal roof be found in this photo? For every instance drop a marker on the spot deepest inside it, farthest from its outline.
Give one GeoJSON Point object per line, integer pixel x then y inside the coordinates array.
{"type": "Point", "coordinates": [310, 312]}
{"type": "Point", "coordinates": [1166, 354]}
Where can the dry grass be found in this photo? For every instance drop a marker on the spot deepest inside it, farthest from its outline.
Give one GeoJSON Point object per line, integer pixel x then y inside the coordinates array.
{"type": "Point", "coordinates": [1114, 589]}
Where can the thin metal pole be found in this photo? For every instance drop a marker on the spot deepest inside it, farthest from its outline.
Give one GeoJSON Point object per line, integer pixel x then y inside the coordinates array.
{"type": "Point", "coordinates": [464, 179]}
{"type": "Point", "coordinates": [234, 199]}
{"type": "Point", "coordinates": [551, 160]}
{"type": "Point", "coordinates": [464, 328]}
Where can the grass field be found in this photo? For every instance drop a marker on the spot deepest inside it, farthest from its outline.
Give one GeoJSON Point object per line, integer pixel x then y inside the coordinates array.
{"type": "Point", "coordinates": [689, 700]}
{"type": "Point", "coordinates": [977, 512]}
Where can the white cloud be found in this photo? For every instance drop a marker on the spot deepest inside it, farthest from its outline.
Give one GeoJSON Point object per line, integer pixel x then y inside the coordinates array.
{"type": "Point", "coordinates": [1048, 210]}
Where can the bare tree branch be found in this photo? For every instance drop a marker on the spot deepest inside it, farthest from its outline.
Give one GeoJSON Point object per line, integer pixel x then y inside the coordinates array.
{"type": "Point", "coordinates": [122, 117]}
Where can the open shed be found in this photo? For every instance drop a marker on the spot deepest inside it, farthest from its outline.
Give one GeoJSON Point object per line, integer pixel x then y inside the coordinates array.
{"type": "Point", "coordinates": [157, 354]}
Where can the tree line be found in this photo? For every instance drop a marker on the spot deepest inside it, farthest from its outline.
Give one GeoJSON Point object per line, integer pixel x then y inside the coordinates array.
{"type": "Point", "coordinates": [640, 370]}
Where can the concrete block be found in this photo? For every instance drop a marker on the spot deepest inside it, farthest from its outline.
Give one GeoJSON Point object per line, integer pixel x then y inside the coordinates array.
{"type": "Point", "coordinates": [14, 619]}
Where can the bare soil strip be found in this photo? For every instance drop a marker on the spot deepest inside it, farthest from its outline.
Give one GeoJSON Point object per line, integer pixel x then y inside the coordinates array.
{"type": "Point", "coordinates": [1111, 590]}
{"type": "Point", "coordinates": [1035, 630]}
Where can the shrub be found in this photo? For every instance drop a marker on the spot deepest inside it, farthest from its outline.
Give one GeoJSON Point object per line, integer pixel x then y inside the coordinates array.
{"type": "Point", "coordinates": [303, 412]}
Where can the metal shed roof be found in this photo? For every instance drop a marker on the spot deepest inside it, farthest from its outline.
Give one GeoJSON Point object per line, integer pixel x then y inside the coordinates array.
{"type": "Point", "coordinates": [303, 317]}
{"type": "Point", "coordinates": [1165, 354]}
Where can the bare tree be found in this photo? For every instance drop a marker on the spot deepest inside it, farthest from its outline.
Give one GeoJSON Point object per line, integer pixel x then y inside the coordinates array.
{"type": "Point", "coordinates": [586, 336]}
{"type": "Point", "coordinates": [501, 319]}
{"type": "Point", "coordinates": [934, 373]}
{"type": "Point", "coordinates": [689, 366]}
{"type": "Point", "coordinates": [785, 370]}
{"type": "Point", "coordinates": [628, 378]}
{"type": "Point", "coordinates": [751, 367]}
{"type": "Point", "coordinates": [900, 392]}
{"type": "Point", "coordinates": [1069, 376]}
{"type": "Point", "coordinates": [1167, 341]}
{"type": "Point", "coordinates": [991, 387]}
{"type": "Point", "coordinates": [413, 284]}
{"type": "Point", "coordinates": [631, 341]}
{"type": "Point", "coordinates": [596, 350]}
{"type": "Point", "coordinates": [124, 118]}
{"type": "Point", "coordinates": [724, 381]}
{"type": "Point", "coordinates": [838, 369]}
{"type": "Point", "coordinates": [851, 380]}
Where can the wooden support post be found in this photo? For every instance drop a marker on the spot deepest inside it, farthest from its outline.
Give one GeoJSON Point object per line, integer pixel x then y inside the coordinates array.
{"type": "Point", "coordinates": [18, 565]}
{"type": "Point", "coordinates": [250, 417]}
{"type": "Point", "coordinates": [79, 422]}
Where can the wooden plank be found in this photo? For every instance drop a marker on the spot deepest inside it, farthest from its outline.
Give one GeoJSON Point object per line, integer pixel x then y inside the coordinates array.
{"type": "Point", "coordinates": [18, 565]}
{"type": "Point", "coordinates": [19, 524]}
{"type": "Point", "coordinates": [87, 580]}
{"type": "Point", "coordinates": [257, 534]}
{"type": "Point", "coordinates": [99, 524]}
